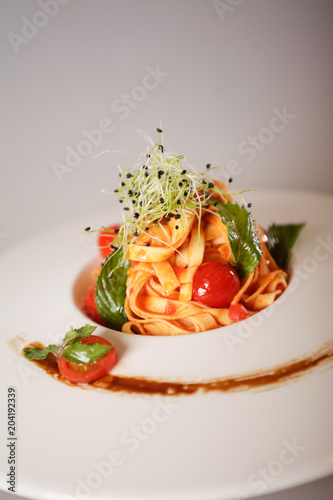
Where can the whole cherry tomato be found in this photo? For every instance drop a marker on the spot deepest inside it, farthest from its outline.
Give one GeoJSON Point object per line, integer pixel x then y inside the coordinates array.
{"type": "Point", "coordinates": [105, 239]}
{"type": "Point", "coordinates": [90, 306]}
{"type": "Point", "coordinates": [215, 284]}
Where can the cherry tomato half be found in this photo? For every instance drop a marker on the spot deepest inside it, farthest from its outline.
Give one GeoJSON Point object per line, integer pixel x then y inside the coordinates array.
{"type": "Point", "coordinates": [85, 373]}
{"type": "Point", "coordinates": [215, 284]}
{"type": "Point", "coordinates": [237, 312]}
{"type": "Point", "coordinates": [90, 306]}
{"type": "Point", "coordinates": [105, 239]}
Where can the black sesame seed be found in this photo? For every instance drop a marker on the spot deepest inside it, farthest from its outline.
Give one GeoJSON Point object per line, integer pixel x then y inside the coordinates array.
{"type": "Point", "coordinates": [136, 215]}
{"type": "Point", "coordinates": [183, 172]}
{"type": "Point", "coordinates": [249, 205]}
{"type": "Point", "coordinates": [140, 203]}
{"type": "Point", "coordinates": [159, 130]}
{"type": "Point", "coordinates": [208, 166]}
{"type": "Point", "coordinates": [171, 215]}
{"type": "Point", "coordinates": [185, 193]}
{"type": "Point", "coordinates": [160, 172]}
{"type": "Point", "coordinates": [155, 221]}
{"type": "Point", "coordinates": [128, 176]}
{"type": "Point", "coordinates": [130, 192]}
{"type": "Point", "coordinates": [148, 244]}
{"type": "Point", "coordinates": [180, 184]}
{"type": "Point", "coordinates": [167, 219]}
{"type": "Point", "coordinates": [146, 228]}
{"type": "Point", "coordinates": [123, 183]}
{"type": "Point", "coordinates": [126, 208]}
{"type": "Point", "coordinates": [211, 185]}
{"type": "Point", "coordinates": [176, 227]}
{"type": "Point", "coordinates": [146, 174]}
{"type": "Point", "coordinates": [184, 180]}
{"type": "Point", "coordinates": [116, 190]}
{"type": "Point", "coordinates": [87, 228]}
{"type": "Point", "coordinates": [178, 202]}
{"type": "Point", "coordinates": [162, 200]}
{"type": "Point", "coordinates": [147, 155]}
{"type": "Point", "coordinates": [230, 179]}
{"type": "Point", "coordinates": [116, 231]}
{"type": "Point", "coordinates": [203, 181]}
{"type": "Point", "coordinates": [177, 216]}
{"type": "Point", "coordinates": [136, 233]}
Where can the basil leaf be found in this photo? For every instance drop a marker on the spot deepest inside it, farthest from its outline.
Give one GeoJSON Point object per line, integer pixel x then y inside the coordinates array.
{"type": "Point", "coordinates": [281, 239]}
{"type": "Point", "coordinates": [78, 333]}
{"type": "Point", "coordinates": [36, 353]}
{"type": "Point", "coordinates": [78, 353]}
{"type": "Point", "coordinates": [110, 291]}
{"type": "Point", "coordinates": [242, 235]}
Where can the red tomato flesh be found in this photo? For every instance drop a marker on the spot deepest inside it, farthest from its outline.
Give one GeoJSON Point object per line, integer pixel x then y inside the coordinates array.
{"type": "Point", "coordinates": [85, 373]}
{"type": "Point", "coordinates": [105, 239]}
{"type": "Point", "coordinates": [237, 312]}
{"type": "Point", "coordinates": [215, 284]}
{"type": "Point", "coordinates": [90, 306]}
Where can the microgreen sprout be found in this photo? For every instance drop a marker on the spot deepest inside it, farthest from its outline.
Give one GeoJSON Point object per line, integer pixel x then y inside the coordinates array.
{"type": "Point", "coordinates": [162, 185]}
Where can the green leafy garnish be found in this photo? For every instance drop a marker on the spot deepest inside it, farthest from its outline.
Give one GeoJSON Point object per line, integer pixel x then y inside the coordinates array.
{"type": "Point", "coordinates": [36, 353]}
{"type": "Point", "coordinates": [242, 235]}
{"type": "Point", "coordinates": [78, 334]}
{"type": "Point", "coordinates": [281, 239]}
{"type": "Point", "coordinates": [110, 291]}
{"type": "Point", "coordinates": [84, 353]}
{"type": "Point", "coordinates": [71, 348]}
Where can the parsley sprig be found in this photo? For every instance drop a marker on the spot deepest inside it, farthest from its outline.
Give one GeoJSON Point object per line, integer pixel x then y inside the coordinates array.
{"type": "Point", "coordinates": [71, 348]}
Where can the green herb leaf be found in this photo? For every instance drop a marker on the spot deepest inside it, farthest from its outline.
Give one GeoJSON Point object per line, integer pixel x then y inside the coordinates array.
{"type": "Point", "coordinates": [78, 334]}
{"type": "Point", "coordinates": [110, 290]}
{"type": "Point", "coordinates": [242, 236]}
{"type": "Point", "coordinates": [36, 353]}
{"type": "Point", "coordinates": [281, 239]}
{"type": "Point", "coordinates": [78, 353]}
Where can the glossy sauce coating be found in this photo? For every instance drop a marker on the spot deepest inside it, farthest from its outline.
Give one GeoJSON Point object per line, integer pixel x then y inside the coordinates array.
{"type": "Point", "coordinates": [215, 284]}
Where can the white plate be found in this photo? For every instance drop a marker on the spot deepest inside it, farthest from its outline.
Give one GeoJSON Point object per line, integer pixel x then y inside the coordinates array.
{"type": "Point", "coordinates": [75, 443]}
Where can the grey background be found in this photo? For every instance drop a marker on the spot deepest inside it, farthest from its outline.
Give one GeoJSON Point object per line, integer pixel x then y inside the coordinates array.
{"type": "Point", "coordinates": [225, 71]}
{"type": "Point", "coordinates": [226, 74]}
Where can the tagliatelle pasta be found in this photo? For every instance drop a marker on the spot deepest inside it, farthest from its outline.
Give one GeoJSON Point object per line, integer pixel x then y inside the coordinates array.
{"type": "Point", "coordinates": [160, 281]}
{"type": "Point", "coordinates": [187, 258]}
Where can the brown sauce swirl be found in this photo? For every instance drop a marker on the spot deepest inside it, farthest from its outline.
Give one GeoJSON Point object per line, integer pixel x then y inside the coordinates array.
{"type": "Point", "coordinates": [263, 379]}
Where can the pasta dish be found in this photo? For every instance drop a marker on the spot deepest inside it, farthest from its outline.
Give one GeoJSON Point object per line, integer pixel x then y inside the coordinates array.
{"type": "Point", "coordinates": [187, 258]}
{"type": "Point", "coordinates": [159, 290]}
